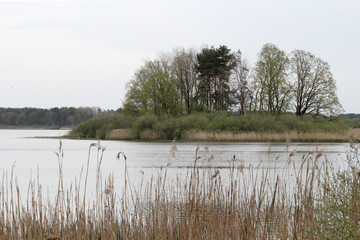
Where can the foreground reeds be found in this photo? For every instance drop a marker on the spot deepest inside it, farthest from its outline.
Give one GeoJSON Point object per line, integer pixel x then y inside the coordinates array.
{"type": "Point", "coordinates": [306, 201]}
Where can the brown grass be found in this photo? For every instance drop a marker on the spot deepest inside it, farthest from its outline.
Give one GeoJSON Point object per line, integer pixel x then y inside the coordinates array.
{"type": "Point", "coordinates": [123, 134]}
{"type": "Point", "coordinates": [245, 203]}
{"type": "Point", "coordinates": [126, 134]}
{"type": "Point", "coordinates": [252, 136]}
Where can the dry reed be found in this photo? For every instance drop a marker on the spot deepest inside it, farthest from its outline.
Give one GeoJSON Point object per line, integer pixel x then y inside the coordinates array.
{"type": "Point", "coordinates": [253, 136]}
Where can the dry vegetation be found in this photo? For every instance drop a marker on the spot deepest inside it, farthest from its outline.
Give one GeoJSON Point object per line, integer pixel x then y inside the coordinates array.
{"type": "Point", "coordinates": [126, 134]}
{"type": "Point", "coordinates": [310, 201]}
{"type": "Point", "coordinates": [258, 137]}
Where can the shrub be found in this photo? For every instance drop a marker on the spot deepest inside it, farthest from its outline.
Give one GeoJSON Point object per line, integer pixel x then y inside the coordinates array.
{"type": "Point", "coordinates": [193, 121]}
{"type": "Point", "coordinates": [90, 128]}
{"type": "Point", "coordinates": [165, 129]}
{"type": "Point", "coordinates": [225, 123]}
{"type": "Point", "coordinates": [143, 123]}
{"type": "Point", "coordinates": [100, 126]}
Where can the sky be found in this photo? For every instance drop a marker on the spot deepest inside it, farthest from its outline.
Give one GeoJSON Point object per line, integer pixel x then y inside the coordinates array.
{"type": "Point", "coordinates": [82, 53]}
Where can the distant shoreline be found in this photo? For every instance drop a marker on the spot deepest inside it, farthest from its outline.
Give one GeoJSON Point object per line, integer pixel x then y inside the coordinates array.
{"type": "Point", "coordinates": [10, 127]}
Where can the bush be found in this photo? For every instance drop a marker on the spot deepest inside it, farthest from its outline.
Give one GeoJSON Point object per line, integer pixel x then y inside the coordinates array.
{"type": "Point", "coordinates": [99, 127]}
{"type": "Point", "coordinates": [144, 122]}
{"type": "Point", "coordinates": [89, 128]}
{"type": "Point", "coordinates": [165, 129]}
{"type": "Point", "coordinates": [225, 123]}
{"type": "Point", "coordinates": [193, 121]}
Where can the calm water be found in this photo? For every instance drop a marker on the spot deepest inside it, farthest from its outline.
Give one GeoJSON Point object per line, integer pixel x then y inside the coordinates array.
{"type": "Point", "coordinates": [34, 158]}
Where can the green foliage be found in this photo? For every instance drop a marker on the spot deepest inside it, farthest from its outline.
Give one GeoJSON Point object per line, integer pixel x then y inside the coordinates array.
{"type": "Point", "coordinates": [145, 122]}
{"type": "Point", "coordinates": [100, 126]}
{"type": "Point", "coordinates": [161, 94]}
{"type": "Point", "coordinates": [338, 210]}
{"type": "Point", "coordinates": [217, 79]}
{"type": "Point", "coordinates": [273, 91]}
{"type": "Point", "coordinates": [90, 128]}
{"type": "Point", "coordinates": [191, 122]}
{"type": "Point", "coordinates": [214, 67]}
{"type": "Point", "coordinates": [167, 127]}
{"type": "Point", "coordinates": [154, 94]}
{"type": "Point", "coordinates": [225, 123]}
{"type": "Point", "coordinates": [354, 123]}
{"type": "Point", "coordinates": [352, 119]}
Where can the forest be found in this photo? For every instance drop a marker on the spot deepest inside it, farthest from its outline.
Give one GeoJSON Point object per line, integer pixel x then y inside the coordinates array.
{"type": "Point", "coordinates": [49, 118]}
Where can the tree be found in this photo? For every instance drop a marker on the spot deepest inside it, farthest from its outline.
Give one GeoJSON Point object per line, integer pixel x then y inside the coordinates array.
{"type": "Point", "coordinates": [135, 100]}
{"type": "Point", "coordinates": [241, 75]}
{"type": "Point", "coordinates": [161, 95]}
{"type": "Point", "coordinates": [214, 66]}
{"type": "Point", "coordinates": [152, 90]}
{"type": "Point", "coordinates": [272, 91]}
{"type": "Point", "coordinates": [183, 69]}
{"type": "Point", "coordinates": [315, 87]}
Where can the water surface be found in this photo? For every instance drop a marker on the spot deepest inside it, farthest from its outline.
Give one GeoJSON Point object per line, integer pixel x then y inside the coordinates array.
{"type": "Point", "coordinates": [30, 157]}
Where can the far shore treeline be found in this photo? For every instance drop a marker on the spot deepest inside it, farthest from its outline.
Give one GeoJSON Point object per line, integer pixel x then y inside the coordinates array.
{"type": "Point", "coordinates": [49, 118]}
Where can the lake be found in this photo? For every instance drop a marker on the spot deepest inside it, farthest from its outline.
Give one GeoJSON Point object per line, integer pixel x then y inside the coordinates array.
{"type": "Point", "coordinates": [32, 157]}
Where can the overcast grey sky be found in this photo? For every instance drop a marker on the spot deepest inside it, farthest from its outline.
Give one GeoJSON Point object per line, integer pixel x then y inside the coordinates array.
{"type": "Point", "coordinates": [82, 53]}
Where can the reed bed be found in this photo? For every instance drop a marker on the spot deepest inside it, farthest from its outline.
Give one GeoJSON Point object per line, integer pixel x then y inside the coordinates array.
{"type": "Point", "coordinates": [310, 201]}
{"type": "Point", "coordinates": [272, 136]}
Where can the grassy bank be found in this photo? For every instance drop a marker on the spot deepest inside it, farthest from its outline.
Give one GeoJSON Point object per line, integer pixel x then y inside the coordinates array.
{"type": "Point", "coordinates": [219, 126]}
{"type": "Point", "coordinates": [311, 201]}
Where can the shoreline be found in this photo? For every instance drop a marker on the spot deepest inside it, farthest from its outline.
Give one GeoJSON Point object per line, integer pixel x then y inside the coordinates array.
{"type": "Point", "coordinates": [203, 136]}
{"type": "Point", "coordinates": [352, 135]}
{"type": "Point", "coordinates": [5, 127]}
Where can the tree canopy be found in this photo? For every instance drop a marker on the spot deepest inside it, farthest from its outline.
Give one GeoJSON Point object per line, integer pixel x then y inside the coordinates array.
{"type": "Point", "coordinates": [214, 68]}
{"type": "Point", "coordinates": [273, 91]}
{"type": "Point", "coordinates": [214, 79]}
{"type": "Point", "coordinates": [314, 87]}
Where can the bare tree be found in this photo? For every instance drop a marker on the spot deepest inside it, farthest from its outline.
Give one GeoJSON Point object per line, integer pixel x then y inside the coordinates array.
{"type": "Point", "coordinates": [314, 87]}
{"type": "Point", "coordinates": [183, 68]}
{"type": "Point", "coordinates": [241, 77]}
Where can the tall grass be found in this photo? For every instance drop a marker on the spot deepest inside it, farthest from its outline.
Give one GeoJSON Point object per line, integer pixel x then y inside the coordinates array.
{"type": "Point", "coordinates": [309, 200]}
